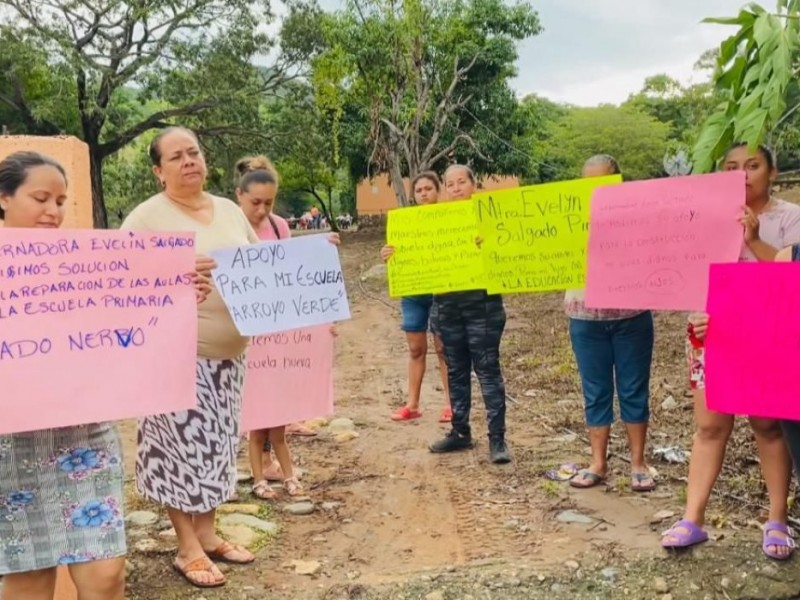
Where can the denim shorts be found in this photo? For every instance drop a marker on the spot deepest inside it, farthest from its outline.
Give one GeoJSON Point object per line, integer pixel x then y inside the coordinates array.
{"type": "Point", "coordinates": [416, 313]}
{"type": "Point", "coordinates": [614, 354]}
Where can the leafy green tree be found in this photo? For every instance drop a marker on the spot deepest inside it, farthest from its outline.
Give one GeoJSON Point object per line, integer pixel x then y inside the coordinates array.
{"type": "Point", "coordinates": [431, 76]}
{"type": "Point", "coordinates": [636, 139]}
{"type": "Point", "coordinates": [683, 108]}
{"type": "Point", "coordinates": [756, 76]}
{"type": "Point", "coordinates": [541, 115]}
{"type": "Point", "coordinates": [189, 61]}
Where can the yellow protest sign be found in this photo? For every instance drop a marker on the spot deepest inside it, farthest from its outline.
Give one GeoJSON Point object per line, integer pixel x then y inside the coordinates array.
{"type": "Point", "coordinates": [435, 250]}
{"type": "Point", "coordinates": [535, 237]}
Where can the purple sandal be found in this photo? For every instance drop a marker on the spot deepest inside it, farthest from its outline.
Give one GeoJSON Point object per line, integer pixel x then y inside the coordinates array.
{"type": "Point", "coordinates": [681, 539]}
{"type": "Point", "coordinates": [773, 540]}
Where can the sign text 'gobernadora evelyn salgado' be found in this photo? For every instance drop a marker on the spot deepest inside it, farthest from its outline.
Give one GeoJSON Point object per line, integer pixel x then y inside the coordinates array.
{"type": "Point", "coordinates": [95, 326]}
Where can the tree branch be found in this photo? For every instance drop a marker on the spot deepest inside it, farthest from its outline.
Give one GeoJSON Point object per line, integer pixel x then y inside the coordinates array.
{"type": "Point", "coordinates": [154, 121]}
{"type": "Point", "coordinates": [452, 146]}
{"type": "Point", "coordinates": [34, 125]}
{"type": "Point", "coordinates": [446, 108]}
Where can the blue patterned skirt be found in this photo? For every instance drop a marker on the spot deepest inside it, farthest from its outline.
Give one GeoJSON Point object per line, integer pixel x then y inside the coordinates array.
{"type": "Point", "coordinates": [61, 496]}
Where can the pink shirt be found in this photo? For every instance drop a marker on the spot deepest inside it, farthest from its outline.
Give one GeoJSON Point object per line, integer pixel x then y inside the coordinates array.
{"type": "Point", "coordinates": [267, 232]}
{"type": "Point", "coordinates": [778, 226]}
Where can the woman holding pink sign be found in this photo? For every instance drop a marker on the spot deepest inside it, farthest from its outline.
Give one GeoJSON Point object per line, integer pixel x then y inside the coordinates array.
{"type": "Point", "coordinates": [769, 224]}
{"type": "Point", "coordinates": [187, 460]}
{"type": "Point", "coordinates": [61, 490]}
{"type": "Point", "coordinates": [613, 349]}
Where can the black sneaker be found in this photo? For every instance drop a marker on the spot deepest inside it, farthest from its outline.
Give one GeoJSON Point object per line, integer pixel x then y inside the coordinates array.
{"type": "Point", "coordinates": [498, 450]}
{"type": "Point", "coordinates": [452, 442]}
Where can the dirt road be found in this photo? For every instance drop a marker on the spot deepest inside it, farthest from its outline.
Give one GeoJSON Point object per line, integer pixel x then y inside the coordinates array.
{"type": "Point", "coordinates": [394, 521]}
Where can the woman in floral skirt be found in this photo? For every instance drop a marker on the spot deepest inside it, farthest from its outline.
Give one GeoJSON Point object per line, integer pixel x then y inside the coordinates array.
{"type": "Point", "coordinates": [60, 489]}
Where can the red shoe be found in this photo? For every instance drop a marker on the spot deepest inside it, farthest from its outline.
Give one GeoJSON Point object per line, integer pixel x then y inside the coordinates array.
{"type": "Point", "coordinates": [405, 414]}
{"type": "Point", "coordinates": [447, 415]}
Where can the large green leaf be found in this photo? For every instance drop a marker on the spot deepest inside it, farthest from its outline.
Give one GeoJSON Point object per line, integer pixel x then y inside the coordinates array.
{"type": "Point", "coordinates": [743, 18]}
{"type": "Point", "coordinates": [751, 128]}
{"type": "Point", "coordinates": [717, 133]}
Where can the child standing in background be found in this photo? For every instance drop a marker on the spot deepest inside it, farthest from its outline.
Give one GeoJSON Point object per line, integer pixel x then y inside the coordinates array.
{"type": "Point", "coordinates": [256, 193]}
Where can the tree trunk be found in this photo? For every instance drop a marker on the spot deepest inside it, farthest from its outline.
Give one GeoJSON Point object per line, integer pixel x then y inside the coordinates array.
{"type": "Point", "coordinates": [99, 213]}
{"type": "Point", "coordinates": [326, 210]}
{"type": "Point", "coordinates": [396, 178]}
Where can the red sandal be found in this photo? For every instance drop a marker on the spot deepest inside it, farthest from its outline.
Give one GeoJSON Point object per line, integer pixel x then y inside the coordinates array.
{"type": "Point", "coordinates": [405, 414]}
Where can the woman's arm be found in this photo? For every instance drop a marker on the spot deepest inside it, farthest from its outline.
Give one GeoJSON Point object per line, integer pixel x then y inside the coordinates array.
{"type": "Point", "coordinates": [699, 323]}
{"type": "Point", "coordinates": [387, 252]}
{"type": "Point", "coordinates": [762, 250]}
{"type": "Point", "coordinates": [784, 255]}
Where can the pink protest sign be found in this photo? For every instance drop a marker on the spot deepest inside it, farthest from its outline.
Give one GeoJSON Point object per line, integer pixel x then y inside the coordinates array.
{"type": "Point", "coordinates": [94, 326]}
{"type": "Point", "coordinates": [289, 378]}
{"type": "Point", "coordinates": [753, 341]}
{"type": "Point", "coordinates": [651, 242]}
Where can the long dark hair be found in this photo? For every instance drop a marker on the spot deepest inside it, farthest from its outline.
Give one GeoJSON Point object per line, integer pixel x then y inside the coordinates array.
{"type": "Point", "coordinates": [14, 171]}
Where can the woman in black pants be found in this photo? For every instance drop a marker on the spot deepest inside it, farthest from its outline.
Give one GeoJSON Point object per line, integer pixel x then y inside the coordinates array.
{"type": "Point", "coordinates": [470, 325]}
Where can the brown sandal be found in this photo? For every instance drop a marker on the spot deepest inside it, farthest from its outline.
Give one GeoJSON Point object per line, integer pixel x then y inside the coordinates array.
{"type": "Point", "coordinates": [219, 554]}
{"type": "Point", "coordinates": [263, 491]}
{"type": "Point", "coordinates": [199, 565]}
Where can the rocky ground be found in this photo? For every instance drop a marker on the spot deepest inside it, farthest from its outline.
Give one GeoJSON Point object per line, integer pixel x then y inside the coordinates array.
{"type": "Point", "coordinates": [387, 520]}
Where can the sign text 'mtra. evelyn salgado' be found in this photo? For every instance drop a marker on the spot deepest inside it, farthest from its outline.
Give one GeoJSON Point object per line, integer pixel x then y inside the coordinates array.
{"type": "Point", "coordinates": [289, 378]}
{"type": "Point", "coordinates": [95, 326]}
{"type": "Point", "coordinates": [751, 362]}
{"type": "Point", "coordinates": [435, 249]}
{"type": "Point", "coordinates": [277, 286]}
{"type": "Point", "coordinates": [651, 242]}
{"type": "Point", "coordinates": [534, 237]}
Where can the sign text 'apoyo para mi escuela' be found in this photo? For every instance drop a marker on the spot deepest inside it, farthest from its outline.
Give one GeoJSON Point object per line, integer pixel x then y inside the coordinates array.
{"type": "Point", "coordinates": [96, 326]}
{"type": "Point", "coordinates": [289, 378]}
{"type": "Point", "coordinates": [281, 285]}
{"type": "Point", "coordinates": [651, 242]}
{"type": "Point", "coordinates": [534, 237]}
{"type": "Point", "coordinates": [435, 249]}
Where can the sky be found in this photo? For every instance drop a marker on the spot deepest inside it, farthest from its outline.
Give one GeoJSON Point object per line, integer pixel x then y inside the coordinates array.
{"type": "Point", "coordinates": [601, 51]}
{"type": "Point", "coordinates": [597, 51]}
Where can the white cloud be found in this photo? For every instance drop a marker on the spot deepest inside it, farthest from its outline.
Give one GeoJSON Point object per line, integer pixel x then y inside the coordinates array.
{"type": "Point", "coordinates": [595, 51]}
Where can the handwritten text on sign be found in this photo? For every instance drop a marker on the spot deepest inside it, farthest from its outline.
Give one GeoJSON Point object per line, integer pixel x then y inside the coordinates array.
{"type": "Point", "coordinates": [753, 341]}
{"type": "Point", "coordinates": [534, 238]}
{"type": "Point", "coordinates": [651, 242]}
{"type": "Point", "coordinates": [289, 378]}
{"type": "Point", "coordinates": [95, 326]}
{"type": "Point", "coordinates": [277, 286]}
{"type": "Point", "coordinates": [435, 250]}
